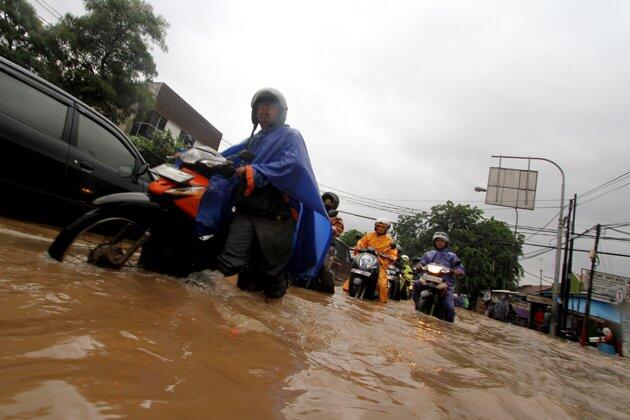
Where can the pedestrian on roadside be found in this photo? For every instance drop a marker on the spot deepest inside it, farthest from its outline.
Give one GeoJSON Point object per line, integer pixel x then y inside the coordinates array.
{"type": "Point", "coordinates": [547, 321]}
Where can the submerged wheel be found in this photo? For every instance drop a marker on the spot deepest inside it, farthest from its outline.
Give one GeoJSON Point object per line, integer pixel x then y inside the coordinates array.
{"type": "Point", "coordinates": [424, 305]}
{"type": "Point", "coordinates": [359, 291]}
{"type": "Point", "coordinates": [327, 281]}
{"type": "Point", "coordinates": [105, 238]}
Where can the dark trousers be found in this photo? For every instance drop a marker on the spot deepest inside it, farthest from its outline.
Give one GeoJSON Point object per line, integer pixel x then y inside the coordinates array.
{"type": "Point", "coordinates": [261, 243]}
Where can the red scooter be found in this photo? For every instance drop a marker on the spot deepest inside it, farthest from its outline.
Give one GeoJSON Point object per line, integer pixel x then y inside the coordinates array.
{"type": "Point", "coordinates": [153, 230]}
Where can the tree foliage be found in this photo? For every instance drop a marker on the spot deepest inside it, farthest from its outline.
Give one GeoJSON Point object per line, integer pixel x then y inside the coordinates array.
{"type": "Point", "coordinates": [156, 149]}
{"type": "Point", "coordinates": [22, 36]}
{"type": "Point", "coordinates": [351, 237]}
{"type": "Point", "coordinates": [103, 57]}
{"type": "Point", "coordinates": [487, 247]}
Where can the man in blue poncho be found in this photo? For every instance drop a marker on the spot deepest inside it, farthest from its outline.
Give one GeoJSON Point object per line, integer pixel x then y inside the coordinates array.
{"type": "Point", "coordinates": [280, 228]}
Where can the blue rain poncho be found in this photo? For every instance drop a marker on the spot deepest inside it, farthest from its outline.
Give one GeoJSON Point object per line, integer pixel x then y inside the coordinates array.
{"type": "Point", "coordinates": [282, 159]}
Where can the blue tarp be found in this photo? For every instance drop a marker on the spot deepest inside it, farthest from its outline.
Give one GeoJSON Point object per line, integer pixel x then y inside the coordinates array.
{"type": "Point", "coordinates": [599, 309]}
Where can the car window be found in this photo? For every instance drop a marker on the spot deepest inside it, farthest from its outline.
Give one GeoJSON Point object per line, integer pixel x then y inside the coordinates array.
{"type": "Point", "coordinates": [96, 141]}
{"type": "Point", "coordinates": [31, 106]}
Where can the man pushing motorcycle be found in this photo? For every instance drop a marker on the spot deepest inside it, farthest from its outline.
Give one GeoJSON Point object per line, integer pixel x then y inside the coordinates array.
{"type": "Point", "coordinates": [279, 228]}
{"type": "Point", "coordinates": [382, 244]}
{"type": "Point", "coordinates": [443, 256]}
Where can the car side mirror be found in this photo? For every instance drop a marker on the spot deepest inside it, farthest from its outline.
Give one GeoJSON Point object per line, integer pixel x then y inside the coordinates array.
{"type": "Point", "coordinates": [247, 155]}
{"type": "Point", "coordinates": [139, 171]}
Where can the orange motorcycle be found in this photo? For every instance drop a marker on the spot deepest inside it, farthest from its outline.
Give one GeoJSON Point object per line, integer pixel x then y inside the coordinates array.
{"type": "Point", "coordinates": [154, 230]}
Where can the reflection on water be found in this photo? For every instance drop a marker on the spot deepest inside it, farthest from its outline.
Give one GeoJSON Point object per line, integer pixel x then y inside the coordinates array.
{"type": "Point", "coordinates": [81, 342]}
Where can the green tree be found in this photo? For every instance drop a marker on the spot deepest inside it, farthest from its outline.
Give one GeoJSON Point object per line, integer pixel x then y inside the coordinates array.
{"type": "Point", "coordinates": [156, 149]}
{"type": "Point", "coordinates": [104, 57]}
{"type": "Point", "coordinates": [22, 36]}
{"type": "Point", "coordinates": [487, 247]}
{"type": "Point", "coordinates": [351, 237]}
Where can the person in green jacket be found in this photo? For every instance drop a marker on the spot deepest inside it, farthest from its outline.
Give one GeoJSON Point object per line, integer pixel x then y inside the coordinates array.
{"type": "Point", "coordinates": [407, 273]}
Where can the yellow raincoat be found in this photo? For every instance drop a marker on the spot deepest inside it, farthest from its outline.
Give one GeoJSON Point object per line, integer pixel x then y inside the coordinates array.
{"type": "Point", "coordinates": [382, 245]}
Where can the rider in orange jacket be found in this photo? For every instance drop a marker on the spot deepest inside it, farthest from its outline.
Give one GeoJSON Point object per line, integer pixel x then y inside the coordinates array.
{"type": "Point", "coordinates": [382, 243]}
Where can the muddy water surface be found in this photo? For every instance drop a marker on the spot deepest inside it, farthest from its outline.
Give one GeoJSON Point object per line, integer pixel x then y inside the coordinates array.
{"type": "Point", "coordinates": [81, 342]}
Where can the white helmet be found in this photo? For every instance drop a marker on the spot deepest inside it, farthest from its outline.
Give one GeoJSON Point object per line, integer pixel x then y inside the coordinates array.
{"type": "Point", "coordinates": [440, 235]}
{"type": "Point", "coordinates": [383, 221]}
{"type": "Point", "coordinates": [405, 257]}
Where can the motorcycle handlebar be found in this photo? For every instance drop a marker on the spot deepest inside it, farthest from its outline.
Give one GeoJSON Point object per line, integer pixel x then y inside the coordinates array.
{"type": "Point", "coordinates": [378, 254]}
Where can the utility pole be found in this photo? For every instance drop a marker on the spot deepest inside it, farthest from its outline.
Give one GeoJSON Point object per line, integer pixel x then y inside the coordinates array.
{"type": "Point", "coordinates": [565, 280]}
{"type": "Point", "coordinates": [569, 271]}
{"type": "Point", "coordinates": [587, 310]}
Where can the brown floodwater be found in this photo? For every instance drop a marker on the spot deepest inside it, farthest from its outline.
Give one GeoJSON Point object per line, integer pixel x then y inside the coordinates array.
{"type": "Point", "coordinates": [81, 342]}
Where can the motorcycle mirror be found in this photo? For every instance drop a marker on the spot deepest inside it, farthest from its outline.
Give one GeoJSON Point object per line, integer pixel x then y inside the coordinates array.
{"type": "Point", "coordinates": [332, 213]}
{"type": "Point", "coordinates": [247, 155]}
{"type": "Point", "coordinates": [139, 171]}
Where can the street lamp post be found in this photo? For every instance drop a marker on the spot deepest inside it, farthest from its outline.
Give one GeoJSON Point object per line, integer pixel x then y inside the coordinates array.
{"type": "Point", "coordinates": [481, 189]}
{"type": "Point", "coordinates": [556, 274]}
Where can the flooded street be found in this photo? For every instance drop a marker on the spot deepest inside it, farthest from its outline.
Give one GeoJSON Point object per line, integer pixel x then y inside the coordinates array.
{"type": "Point", "coordinates": [82, 342]}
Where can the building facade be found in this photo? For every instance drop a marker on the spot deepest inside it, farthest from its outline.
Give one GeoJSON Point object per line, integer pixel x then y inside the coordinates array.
{"type": "Point", "coordinates": [172, 113]}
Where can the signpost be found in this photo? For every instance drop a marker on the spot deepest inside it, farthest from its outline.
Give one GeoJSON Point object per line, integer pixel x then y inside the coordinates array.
{"type": "Point", "coordinates": [609, 288]}
{"type": "Point", "coordinates": [556, 276]}
{"type": "Point", "coordinates": [512, 188]}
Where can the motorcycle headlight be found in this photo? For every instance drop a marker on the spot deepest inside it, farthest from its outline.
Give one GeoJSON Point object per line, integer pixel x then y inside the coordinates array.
{"type": "Point", "coordinates": [434, 268]}
{"type": "Point", "coordinates": [366, 261]}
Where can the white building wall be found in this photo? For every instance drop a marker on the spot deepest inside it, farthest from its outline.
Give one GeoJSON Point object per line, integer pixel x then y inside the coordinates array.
{"type": "Point", "coordinates": [173, 128]}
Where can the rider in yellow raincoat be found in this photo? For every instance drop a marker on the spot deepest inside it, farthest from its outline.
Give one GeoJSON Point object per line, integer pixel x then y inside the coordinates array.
{"type": "Point", "coordinates": [386, 255]}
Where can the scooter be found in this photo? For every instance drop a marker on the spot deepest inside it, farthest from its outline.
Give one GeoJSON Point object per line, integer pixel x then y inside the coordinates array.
{"type": "Point", "coordinates": [153, 230]}
{"type": "Point", "coordinates": [430, 289]}
{"type": "Point", "coordinates": [394, 282]}
{"type": "Point", "coordinates": [364, 274]}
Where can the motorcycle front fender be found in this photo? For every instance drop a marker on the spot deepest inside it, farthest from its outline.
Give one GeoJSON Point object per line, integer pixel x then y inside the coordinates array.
{"type": "Point", "coordinates": [129, 201]}
{"type": "Point", "coordinates": [135, 198]}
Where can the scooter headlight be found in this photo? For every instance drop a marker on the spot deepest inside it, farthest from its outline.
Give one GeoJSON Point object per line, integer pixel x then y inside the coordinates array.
{"type": "Point", "coordinates": [434, 268]}
{"type": "Point", "coordinates": [366, 261]}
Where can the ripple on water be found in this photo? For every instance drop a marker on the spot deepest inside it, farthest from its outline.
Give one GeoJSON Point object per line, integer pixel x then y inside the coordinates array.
{"type": "Point", "coordinates": [53, 399]}
{"type": "Point", "coordinates": [73, 348]}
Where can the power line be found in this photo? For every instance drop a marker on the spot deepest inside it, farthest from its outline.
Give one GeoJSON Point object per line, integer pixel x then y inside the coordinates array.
{"type": "Point", "coordinates": [48, 9]}
{"type": "Point", "coordinates": [620, 231]}
{"type": "Point", "coordinates": [592, 190]}
{"type": "Point", "coordinates": [538, 277]}
{"type": "Point", "coordinates": [605, 184]}
{"type": "Point", "coordinates": [614, 254]}
{"type": "Point", "coordinates": [607, 192]}
{"type": "Point", "coordinates": [544, 226]}
{"type": "Point", "coordinates": [54, 10]}
{"type": "Point", "coordinates": [42, 18]}
{"type": "Point", "coordinates": [357, 215]}
{"type": "Point", "coordinates": [404, 208]}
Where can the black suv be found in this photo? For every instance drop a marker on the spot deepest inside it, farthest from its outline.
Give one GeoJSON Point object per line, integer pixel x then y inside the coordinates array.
{"type": "Point", "coordinates": [57, 151]}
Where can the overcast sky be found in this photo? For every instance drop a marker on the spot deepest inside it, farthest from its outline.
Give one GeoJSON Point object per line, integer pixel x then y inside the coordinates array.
{"type": "Point", "coordinates": [407, 100]}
